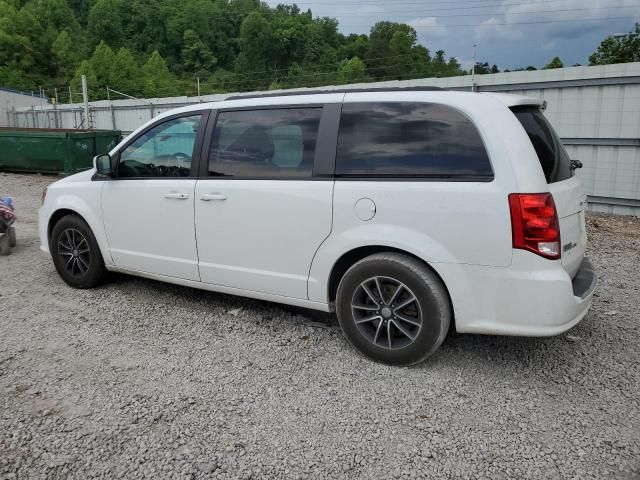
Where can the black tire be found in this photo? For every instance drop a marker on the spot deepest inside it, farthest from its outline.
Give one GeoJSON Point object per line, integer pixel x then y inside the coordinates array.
{"type": "Point", "coordinates": [5, 245]}
{"type": "Point", "coordinates": [80, 266]}
{"type": "Point", "coordinates": [12, 236]}
{"type": "Point", "coordinates": [401, 278]}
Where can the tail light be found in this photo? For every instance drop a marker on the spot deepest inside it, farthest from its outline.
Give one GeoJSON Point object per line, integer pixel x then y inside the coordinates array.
{"type": "Point", "coordinates": [534, 224]}
{"type": "Point", "coordinates": [44, 195]}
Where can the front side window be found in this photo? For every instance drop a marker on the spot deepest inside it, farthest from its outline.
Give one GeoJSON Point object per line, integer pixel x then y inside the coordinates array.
{"type": "Point", "coordinates": [270, 143]}
{"type": "Point", "coordinates": [165, 150]}
{"type": "Point", "coordinates": [409, 140]}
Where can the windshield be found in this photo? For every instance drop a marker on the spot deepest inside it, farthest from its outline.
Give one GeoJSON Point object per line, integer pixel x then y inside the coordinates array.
{"type": "Point", "coordinates": [554, 160]}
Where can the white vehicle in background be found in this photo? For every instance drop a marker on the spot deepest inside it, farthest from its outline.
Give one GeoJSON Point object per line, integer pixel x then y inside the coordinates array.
{"type": "Point", "coordinates": [407, 211]}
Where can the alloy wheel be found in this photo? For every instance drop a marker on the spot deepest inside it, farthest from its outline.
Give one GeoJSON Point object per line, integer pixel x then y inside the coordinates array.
{"type": "Point", "coordinates": [73, 251]}
{"type": "Point", "coordinates": [386, 312]}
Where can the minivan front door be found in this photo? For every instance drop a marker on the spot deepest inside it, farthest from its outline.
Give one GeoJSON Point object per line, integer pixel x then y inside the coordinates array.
{"type": "Point", "coordinates": [148, 207]}
{"type": "Point", "coordinates": [260, 212]}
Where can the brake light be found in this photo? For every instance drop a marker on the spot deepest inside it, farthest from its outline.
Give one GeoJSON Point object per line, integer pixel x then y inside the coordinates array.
{"type": "Point", "coordinates": [534, 224]}
{"type": "Point", "coordinates": [44, 195]}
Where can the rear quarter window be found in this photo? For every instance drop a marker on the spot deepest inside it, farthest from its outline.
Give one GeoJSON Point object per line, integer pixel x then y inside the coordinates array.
{"type": "Point", "coordinates": [553, 157]}
{"type": "Point", "coordinates": [399, 139]}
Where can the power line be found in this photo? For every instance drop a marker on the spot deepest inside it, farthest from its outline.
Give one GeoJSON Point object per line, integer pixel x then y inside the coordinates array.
{"type": "Point", "coordinates": [485, 14]}
{"type": "Point", "coordinates": [385, 2]}
{"type": "Point", "coordinates": [448, 25]}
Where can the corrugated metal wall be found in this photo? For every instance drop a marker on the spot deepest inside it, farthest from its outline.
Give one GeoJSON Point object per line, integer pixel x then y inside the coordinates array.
{"type": "Point", "coordinates": [12, 99]}
{"type": "Point", "coordinates": [596, 111]}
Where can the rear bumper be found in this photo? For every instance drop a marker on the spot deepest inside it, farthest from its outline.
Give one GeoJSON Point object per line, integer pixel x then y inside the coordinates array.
{"type": "Point", "coordinates": [532, 297]}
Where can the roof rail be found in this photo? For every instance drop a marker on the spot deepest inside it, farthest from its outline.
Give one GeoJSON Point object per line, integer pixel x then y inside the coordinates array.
{"type": "Point", "coordinates": [338, 90]}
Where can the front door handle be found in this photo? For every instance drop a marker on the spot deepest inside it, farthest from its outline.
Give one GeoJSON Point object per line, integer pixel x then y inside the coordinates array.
{"type": "Point", "coordinates": [207, 197]}
{"type": "Point", "coordinates": [176, 195]}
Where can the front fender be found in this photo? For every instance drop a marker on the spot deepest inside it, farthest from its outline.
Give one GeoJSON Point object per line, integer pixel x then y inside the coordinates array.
{"type": "Point", "coordinates": [82, 198]}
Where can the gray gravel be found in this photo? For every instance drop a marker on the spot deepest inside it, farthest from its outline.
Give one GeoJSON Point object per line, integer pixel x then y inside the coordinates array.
{"type": "Point", "coordinates": [142, 379]}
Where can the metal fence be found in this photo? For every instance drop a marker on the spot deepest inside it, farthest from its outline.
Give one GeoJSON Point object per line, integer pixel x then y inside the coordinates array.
{"type": "Point", "coordinates": [596, 111]}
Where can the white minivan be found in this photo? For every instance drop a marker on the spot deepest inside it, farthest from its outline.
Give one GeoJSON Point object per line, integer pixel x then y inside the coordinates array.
{"type": "Point", "coordinates": [405, 211]}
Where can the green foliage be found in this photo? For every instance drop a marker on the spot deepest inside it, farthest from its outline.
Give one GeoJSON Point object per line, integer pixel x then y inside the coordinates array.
{"type": "Point", "coordinates": [105, 23]}
{"type": "Point", "coordinates": [196, 56]}
{"type": "Point", "coordinates": [619, 49]}
{"type": "Point", "coordinates": [65, 54]}
{"type": "Point", "coordinates": [126, 74]}
{"type": "Point", "coordinates": [160, 47]}
{"type": "Point", "coordinates": [554, 63]}
{"type": "Point", "coordinates": [158, 80]}
{"type": "Point", "coordinates": [352, 71]}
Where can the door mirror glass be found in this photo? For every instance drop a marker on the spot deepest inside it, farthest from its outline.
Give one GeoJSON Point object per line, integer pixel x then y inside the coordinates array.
{"type": "Point", "coordinates": [102, 164]}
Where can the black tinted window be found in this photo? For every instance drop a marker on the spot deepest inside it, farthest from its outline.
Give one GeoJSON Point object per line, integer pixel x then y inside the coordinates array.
{"type": "Point", "coordinates": [163, 151]}
{"type": "Point", "coordinates": [268, 143]}
{"type": "Point", "coordinates": [554, 159]}
{"type": "Point", "coordinates": [409, 139]}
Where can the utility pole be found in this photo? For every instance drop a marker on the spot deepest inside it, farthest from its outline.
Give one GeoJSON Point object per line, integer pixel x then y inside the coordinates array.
{"type": "Point", "coordinates": [199, 99]}
{"type": "Point", "coordinates": [85, 99]}
{"type": "Point", "coordinates": [473, 69]}
{"type": "Point", "coordinates": [55, 108]}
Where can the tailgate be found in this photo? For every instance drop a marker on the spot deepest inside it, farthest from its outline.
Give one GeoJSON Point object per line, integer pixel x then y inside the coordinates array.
{"type": "Point", "coordinates": [571, 201]}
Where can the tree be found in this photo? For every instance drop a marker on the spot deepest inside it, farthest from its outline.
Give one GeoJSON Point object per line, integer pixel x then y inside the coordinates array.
{"type": "Point", "coordinates": [92, 82]}
{"type": "Point", "coordinates": [196, 56]}
{"type": "Point", "coordinates": [157, 79]}
{"type": "Point", "coordinates": [126, 75]}
{"type": "Point", "coordinates": [105, 23]}
{"type": "Point", "coordinates": [618, 49]}
{"type": "Point", "coordinates": [554, 63]}
{"type": "Point", "coordinates": [352, 71]}
{"type": "Point", "coordinates": [65, 54]}
{"type": "Point", "coordinates": [102, 64]}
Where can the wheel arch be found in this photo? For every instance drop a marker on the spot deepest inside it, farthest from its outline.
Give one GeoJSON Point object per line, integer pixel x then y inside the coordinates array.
{"type": "Point", "coordinates": [94, 226]}
{"type": "Point", "coordinates": [349, 258]}
{"type": "Point", "coordinates": [57, 215]}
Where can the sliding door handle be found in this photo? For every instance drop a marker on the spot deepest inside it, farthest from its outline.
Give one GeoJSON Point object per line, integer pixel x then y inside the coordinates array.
{"type": "Point", "coordinates": [207, 197]}
{"type": "Point", "coordinates": [176, 195]}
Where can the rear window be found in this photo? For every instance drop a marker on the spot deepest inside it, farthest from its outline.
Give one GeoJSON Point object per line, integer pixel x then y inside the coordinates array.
{"type": "Point", "coordinates": [554, 159]}
{"type": "Point", "coordinates": [409, 139]}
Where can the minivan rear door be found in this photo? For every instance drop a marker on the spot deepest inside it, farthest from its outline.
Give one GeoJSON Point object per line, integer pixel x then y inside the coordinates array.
{"type": "Point", "coordinates": [261, 211]}
{"type": "Point", "coordinates": [568, 193]}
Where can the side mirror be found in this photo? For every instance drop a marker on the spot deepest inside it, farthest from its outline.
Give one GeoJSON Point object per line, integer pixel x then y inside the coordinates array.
{"type": "Point", "coordinates": [102, 164]}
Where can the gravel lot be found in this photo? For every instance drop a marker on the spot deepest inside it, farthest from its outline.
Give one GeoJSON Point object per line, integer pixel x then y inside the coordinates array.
{"type": "Point", "coordinates": [142, 379]}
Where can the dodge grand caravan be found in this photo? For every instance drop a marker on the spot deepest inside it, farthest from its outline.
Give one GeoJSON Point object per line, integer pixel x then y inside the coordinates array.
{"type": "Point", "coordinates": [407, 212]}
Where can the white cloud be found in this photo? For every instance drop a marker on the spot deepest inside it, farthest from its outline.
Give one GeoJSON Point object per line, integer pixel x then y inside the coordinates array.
{"type": "Point", "coordinates": [556, 19]}
{"type": "Point", "coordinates": [428, 27]}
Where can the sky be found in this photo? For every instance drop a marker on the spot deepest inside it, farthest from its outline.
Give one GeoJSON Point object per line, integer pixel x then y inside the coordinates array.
{"type": "Point", "coordinates": [508, 33]}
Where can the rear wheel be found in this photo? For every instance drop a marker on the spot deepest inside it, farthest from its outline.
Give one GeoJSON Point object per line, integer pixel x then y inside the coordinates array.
{"type": "Point", "coordinates": [76, 254]}
{"type": "Point", "coordinates": [393, 308]}
{"type": "Point", "coordinates": [12, 236]}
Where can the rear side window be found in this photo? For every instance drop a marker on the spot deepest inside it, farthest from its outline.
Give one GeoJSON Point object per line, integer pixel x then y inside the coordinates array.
{"type": "Point", "coordinates": [271, 143]}
{"type": "Point", "coordinates": [409, 139]}
{"type": "Point", "coordinates": [554, 160]}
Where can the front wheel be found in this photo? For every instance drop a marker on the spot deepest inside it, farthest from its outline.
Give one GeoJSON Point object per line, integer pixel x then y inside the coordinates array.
{"type": "Point", "coordinates": [393, 308]}
{"type": "Point", "coordinates": [76, 254]}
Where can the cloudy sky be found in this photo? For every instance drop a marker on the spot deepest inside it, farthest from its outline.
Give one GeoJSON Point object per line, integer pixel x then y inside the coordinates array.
{"type": "Point", "coordinates": [509, 33]}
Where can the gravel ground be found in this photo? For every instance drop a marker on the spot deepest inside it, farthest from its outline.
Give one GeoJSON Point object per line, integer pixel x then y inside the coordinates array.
{"type": "Point", "coordinates": [142, 379]}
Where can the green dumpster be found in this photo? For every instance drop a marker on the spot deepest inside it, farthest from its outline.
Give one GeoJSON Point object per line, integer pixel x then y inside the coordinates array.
{"type": "Point", "coordinates": [49, 150]}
